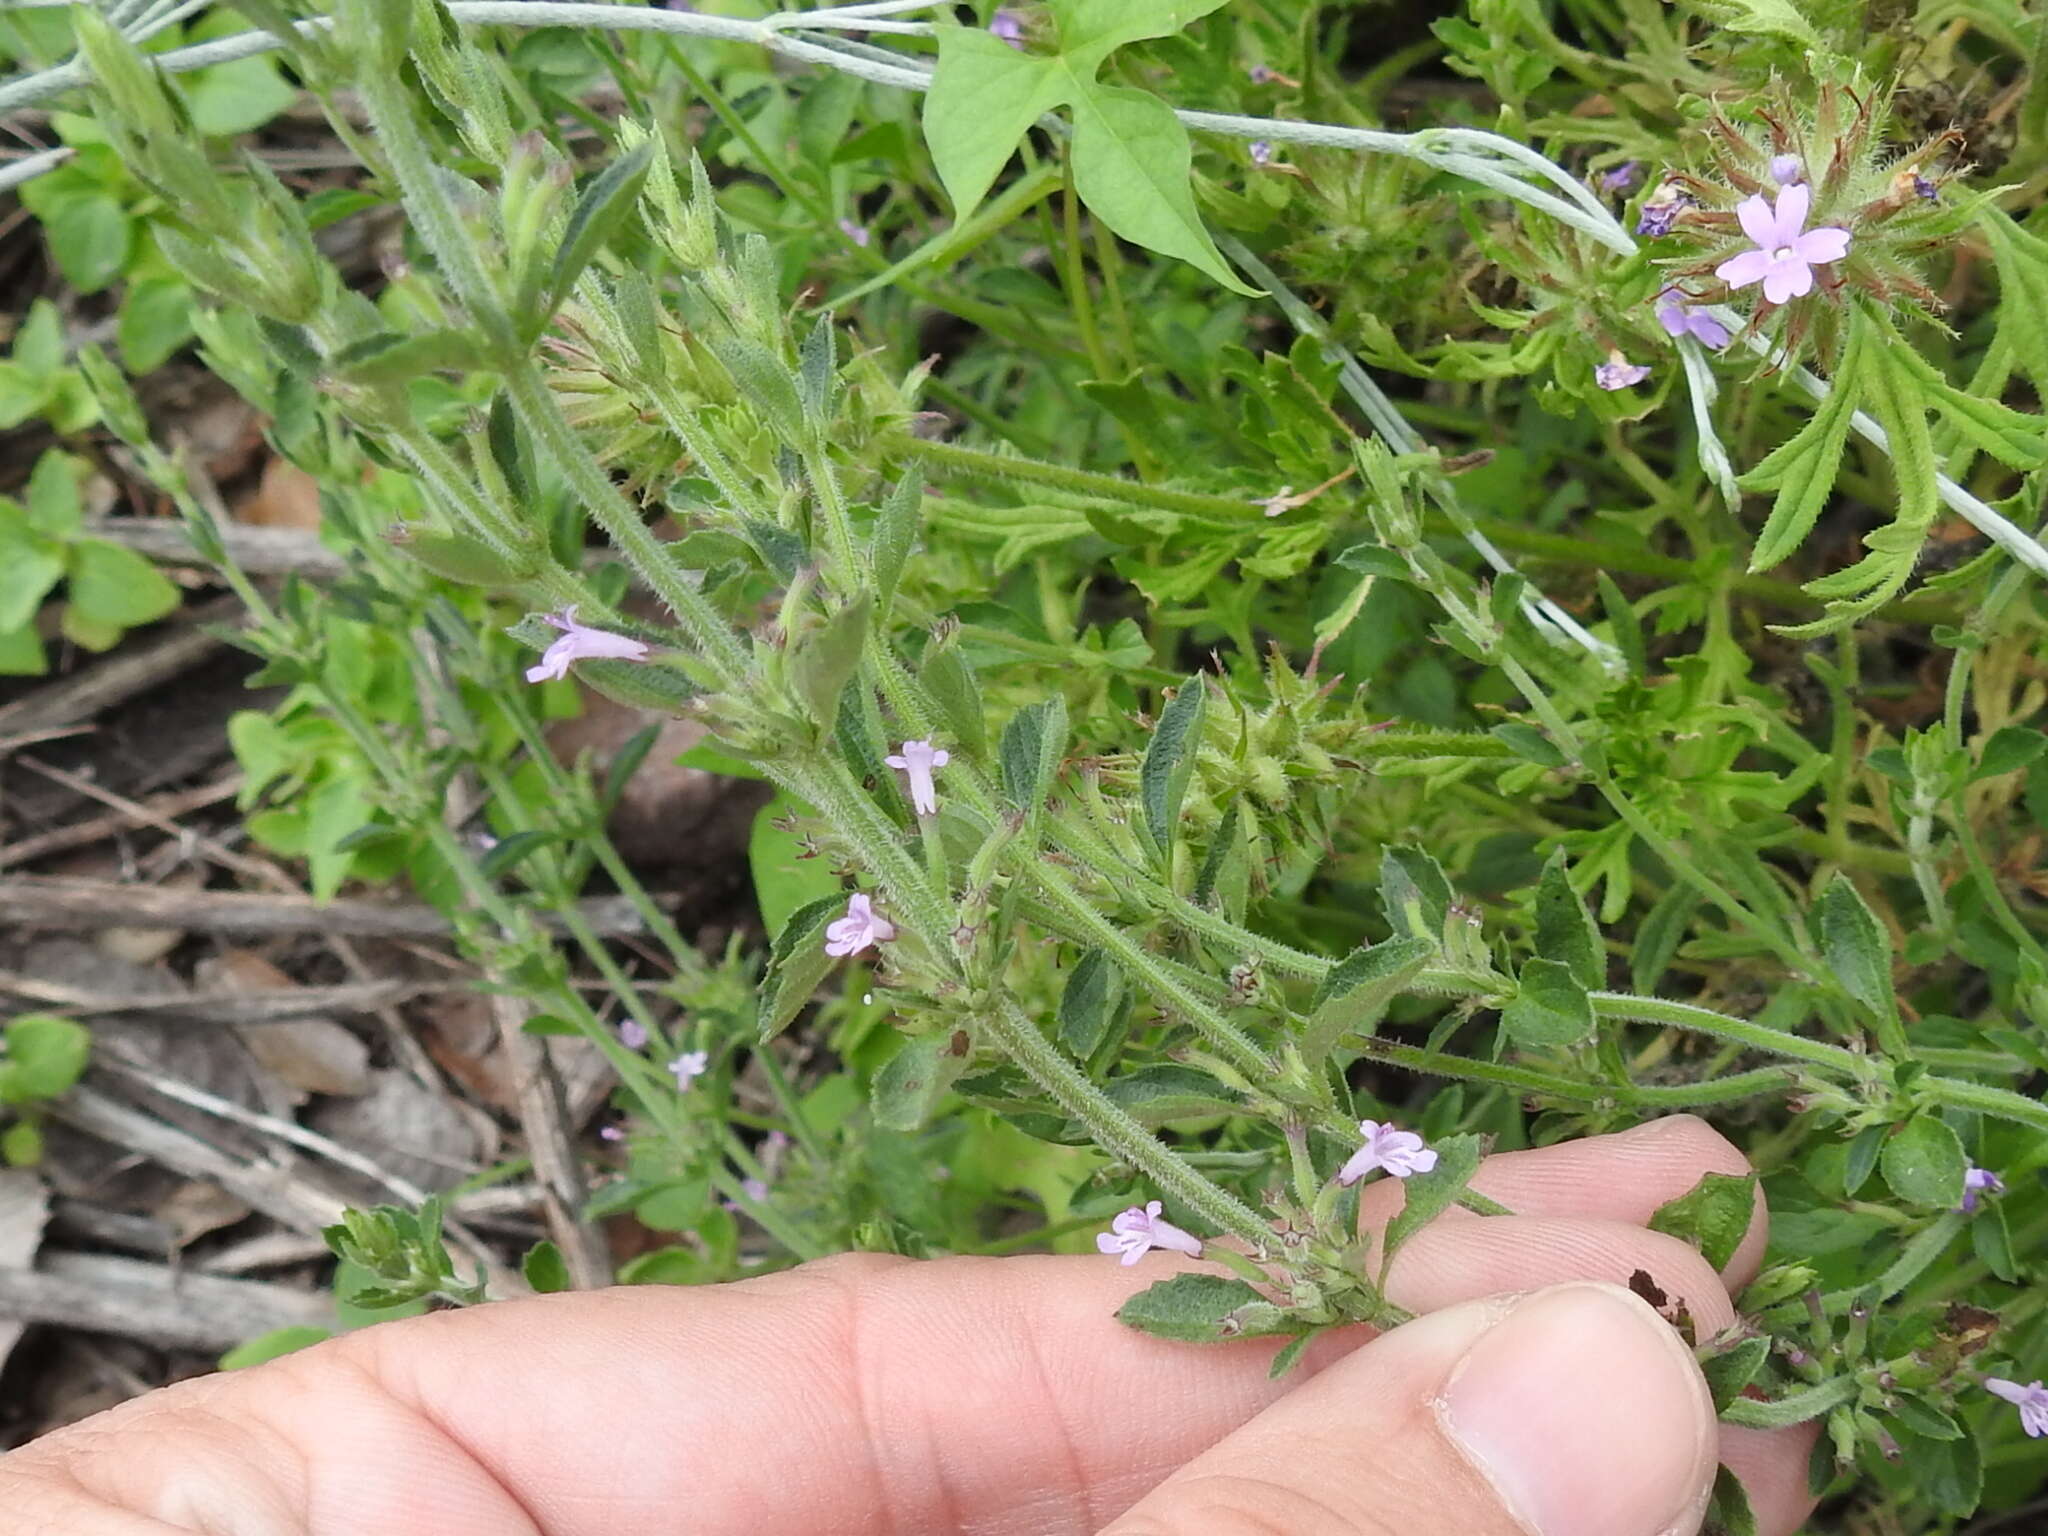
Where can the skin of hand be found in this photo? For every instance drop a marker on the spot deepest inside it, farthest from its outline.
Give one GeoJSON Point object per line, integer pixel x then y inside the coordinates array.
{"type": "Point", "coordinates": [1533, 1394]}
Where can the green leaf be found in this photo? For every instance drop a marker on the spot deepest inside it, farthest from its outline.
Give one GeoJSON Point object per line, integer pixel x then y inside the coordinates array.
{"type": "Point", "coordinates": [1857, 949]}
{"type": "Point", "coordinates": [155, 320]}
{"type": "Point", "coordinates": [1170, 762]}
{"type": "Point", "coordinates": [1290, 1354]}
{"type": "Point", "coordinates": [55, 506]}
{"type": "Point", "coordinates": [273, 1345]}
{"type": "Point", "coordinates": [1132, 166]}
{"type": "Point", "coordinates": [1714, 1215]}
{"type": "Point", "coordinates": [545, 1268]}
{"type": "Point", "coordinates": [1549, 1008]}
{"type": "Point", "coordinates": [1802, 469]}
{"type": "Point", "coordinates": [895, 533]}
{"type": "Point", "coordinates": [45, 1056]}
{"type": "Point", "coordinates": [797, 962]}
{"type": "Point", "coordinates": [911, 1083]}
{"type": "Point", "coordinates": [1729, 1370]}
{"type": "Point", "coordinates": [238, 96]}
{"type": "Point", "coordinates": [1203, 1309]}
{"type": "Point", "coordinates": [785, 881]}
{"type": "Point", "coordinates": [1033, 744]}
{"type": "Point", "coordinates": [113, 585]}
{"type": "Point", "coordinates": [1893, 396]}
{"type": "Point", "coordinates": [1090, 30]}
{"type": "Point", "coordinates": [826, 660]}
{"type": "Point", "coordinates": [1356, 991]}
{"type": "Point", "coordinates": [984, 97]}
{"type": "Point", "coordinates": [1924, 1164]}
{"type": "Point", "coordinates": [1165, 1092]}
{"type": "Point", "coordinates": [1765, 18]}
{"type": "Point", "coordinates": [949, 677]}
{"type": "Point", "coordinates": [2022, 267]}
{"type": "Point", "coordinates": [1728, 1511]}
{"type": "Point", "coordinates": [1414, 893]}
{"type": "Point", "coordinates": [1090, 1003]}
{"type": "Point", "coordinates": [605, 206]}
{"type": "Point", "coordinates": [1991, 1240]}
{"type": "Point", "coordinates": [2010, 747]}
{"type": "Point", "coordinates": [28, 570]}
{"type": "Point", "coordinates": [90, 238]}
{"type": "Point", "coordinates": [511, 850]}
{"type": "Point", "coordinates": [817, 372]}
{"type": "Point", "coordinates": [1657, 940]}
{"type": "Point", "coordinates": [21, 1144]}
{"type": "Point", "coordinates": [1565, 930]}
{"type": "Point", "coordinates": [1425, 1196]}
{"type": "Point", "coordinates": [1628, 629]}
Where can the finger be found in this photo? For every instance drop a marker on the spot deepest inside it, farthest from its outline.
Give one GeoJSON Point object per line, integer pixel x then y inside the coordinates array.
{"type": "Point", "coordinates": [1771, 1464]}
{"type": "Point", "coordinates": [1623, 1177]}
{"type": "Point", "coordinates": [1573, 1411]}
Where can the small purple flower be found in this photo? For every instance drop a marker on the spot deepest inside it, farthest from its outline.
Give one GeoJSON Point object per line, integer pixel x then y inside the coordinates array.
{"type": "Point", "coordinates": [918, 759]}
{"type": "Point", "coordinates": [861, 926]}
{"type": "Point", "coordinates": [1619, 373]}
{"type": "Point", "coordinates": [2031, 1400]}
{"type": "Point", "coordinates": [1258, 74]}
{"type": "Point", "coordinates": [1399, 1153]}
{"type": "Point", "coordinates": [688, 1067]}
{"type": "Point", "coordinates": [578, 642]}
{"type": "Point", "coordinates": [1786, 170]}
{"type": "Point", "coordinates": [1922, 187]}
{"type": "Point", "coordinates": [1678, 320]}
{"type": "Point", "coordinates": [1661, 212]}
{"type": "Point", "coordinates": [633, 1034]}
{"type": "Point", "coordinates": [1138, 1230]}
{"type": "Point", "coordinates": [610, 1133]}
{"type": "Point", "coordinates": [1006, 25]}
{"type": "Point", "coordinates": [1261, 152]}
{"type": "Point", "coordinates": [1978, 1181]}
{"type": "Point", "coordinates": [1786, 250]}
{"type": "Point", "coordinates": [859, 234]}
{"type": "Point", "coordinates": [1622, 177]}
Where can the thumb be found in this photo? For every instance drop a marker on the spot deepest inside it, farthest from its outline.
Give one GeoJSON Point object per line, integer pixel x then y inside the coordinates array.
{"type": "Point", "coordinates": [1572, 1411]}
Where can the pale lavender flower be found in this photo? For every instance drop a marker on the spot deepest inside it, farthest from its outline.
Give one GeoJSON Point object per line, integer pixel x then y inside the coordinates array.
{"type": "Point", "coordinates": [918, 759]}
{"type": "Point", "coordinates": [861, 926]}
{"type": "Point", "coordinates": [1258, 74]}
{"type": "Point", "coordinates": [1679, 320]}
{"type": "Point", "coordinates": [1006, 25]}
{"type": "Point", "coordinates": [1619, 373]}
{"type": "Point", "coordinates": [1138, 1230]}
{"type": "Point", "coordinates": [755, 1190]}
{"type": "Point", "coordinates": [1786, 169]}
{"type": "Point", "coordinates": [578, 642]}
{"type": "Point", "coordinates": [1261, 152]}
{"type": "Point", "coordinates": [688, 1067]}
{"type": "Point", "coordinates": [1786, 250]}
{"type": "Point", "coordinates": [632, 1034]}
{"type": "Point", "coordinates": [859, 234]}
{"type": "Point", "coordinates": [1399, 1153]}
{"type": "Point", "coordinates": [2031, 1400]}
{"type": "Point", "coordinates": [1661, 212]}
{"type": "Point", "coordinates": [1978, 1181]}
{"type": "Point", "coordinates": [610, 1133]}
{"type": "Point", "coordinates": [1622, 177]}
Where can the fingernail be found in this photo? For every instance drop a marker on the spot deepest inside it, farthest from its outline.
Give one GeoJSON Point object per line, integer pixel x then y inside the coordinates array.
{"type": "Point", "coordinates": [1586, 1413]}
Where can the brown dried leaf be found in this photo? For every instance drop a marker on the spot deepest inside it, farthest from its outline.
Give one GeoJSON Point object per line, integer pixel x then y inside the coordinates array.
{"type": "Point", "coordinates": [311, 1055]}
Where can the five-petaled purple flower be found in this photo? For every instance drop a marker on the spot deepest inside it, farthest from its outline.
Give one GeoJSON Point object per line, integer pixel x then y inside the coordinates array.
{"type": "Point", "coordinates": [918, 759]}
{"type": "Point", "coordinates": [1786, 250]}
{"type": "Point", "coordinates": [1661, 212]}
{"type": "Point", "coordinates": [1399, 1153]}
{"type": "Point", "coordinates": [1786, 169]}
{"type": "Point", "coordinates": [688, 1067]}
{"type": "Point", "coordinates": [1004, 24]}
{"type": "Point", "coordinates": [1622, 177]}
{"type": "Point", "coordinates": [1618, 372]}
{"type": "Point", "coordinates": [578, 642]}
{"type": "Point", "coordinates": [1261, 151]}
{"type": "Point", "coordinates": [1140, 1229]}
{"type": "Point", "coordinates": [1678, 320]}
{"type": "Point", "coordinates": [2031, 1400]}
{"type": "Point", "coordinates": [861, 926]}
{"type": "Point", "coordinates": [632, 1034]}
{"type": "Point", "coordinates": [1979, 1181]}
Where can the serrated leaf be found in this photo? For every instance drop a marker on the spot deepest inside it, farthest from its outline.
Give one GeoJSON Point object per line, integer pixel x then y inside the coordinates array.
{"type": "Point", "coordinates": [1356, 991]}
{"type": "Point", "coordinates": [1030, 751]}
{"type": "Point", "coordinates": [1924, 1164]}
{"type": "Point", "coordinates": [1714, 1215]}
{"type": "Point", "coordinates": [797, 962]}
{"type": "Point", "coordinates": [2022, 267]}
{"type": "Point", "coordinates": [1170, 761]}
{"type": "Point", "coordinates": [1857, 949]}
{"type": "Point", "coordinates": [1549, 1008]}
{"type": "Point", "coordinates": [1202, 1309]}
{"type": "Point", "coordinates": [1802, 469]}
{"type": "Point", "coordinates": [1729, 1370]}
{"type": "Point", "coordinates": [1132, 161]}
{"type": "Point", "coordinates": [1565, 929]}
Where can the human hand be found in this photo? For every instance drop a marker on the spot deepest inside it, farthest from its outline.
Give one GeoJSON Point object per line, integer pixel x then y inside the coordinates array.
{"type": "Point", "coordinates": [868, 1394]}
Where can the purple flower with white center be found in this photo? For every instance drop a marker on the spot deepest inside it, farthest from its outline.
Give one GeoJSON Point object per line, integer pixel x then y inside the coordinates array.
{"type": "Point", "coordinates": [579, 642]}
{"type": "Point", "coordinates": [1679, 320]}
{"type": "Point", "coordinates": [1006, 25]}
{"type": "Point", "coordinates": [1258, 74]}
{"type": "Point", "coordinates": [1137, 1231]}
{"type": "Point", "coordinates": [1978, 1181]}
{"type": "Point", "coordinates": [1261, 152]}
{"type": "Point", "coordinates": [1400, 1153]}
{"type": "Point", "coordinates": [1661, 212]}
{"type": "Point", "coordinates": [1622, 177]}
{"type": "Point", "coordinates": [688, 1067]}
{"type": "Point", "coordinates": [1786, 170]}
{"type": "Point", "coordinates": [918, 759]}
{"type": "Point", "coordinates": [1786, 250]}
{"type": "Point", "coordinates": [2031, 1400]}
{"type": "Point", "coordinates": [1619, 373]}
{"type": "Point", "coordinates": [859, 234]}
{"type": "Point", "coordinates": [633, 1034]}
{"type": "Point", "coordinates": [861, 926]}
